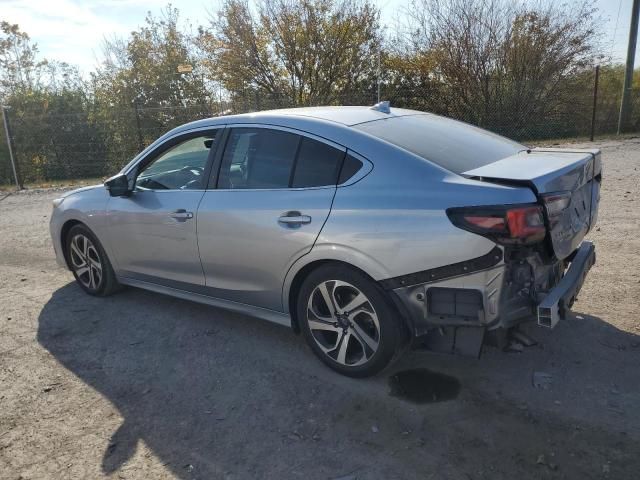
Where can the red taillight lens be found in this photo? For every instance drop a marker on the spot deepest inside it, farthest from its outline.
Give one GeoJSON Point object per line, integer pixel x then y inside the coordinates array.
{"type": "Point", "coordinates": [489, 223]}
{"type": "Point", "coordinates": [526, 223]}
{"type": "Point", "coordinates": [504, 224]}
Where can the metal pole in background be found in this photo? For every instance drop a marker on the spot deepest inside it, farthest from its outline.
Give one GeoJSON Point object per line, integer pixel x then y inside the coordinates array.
{"type": "Point", "coordinates": [378, 75]}
{"type": "Point", "coordinates": [7, 132]}
{"type": "Point", "coordinates": [625, 106]}
{"type": "Point", "coordinates": [595, 101]}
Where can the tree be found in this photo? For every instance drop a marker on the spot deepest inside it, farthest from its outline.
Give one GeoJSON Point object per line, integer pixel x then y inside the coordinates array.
{"type": "Point", "coordinates": [503, 64]}
{"type": "Point", "coordinates": [52, 133]}
{"type": "Point", "coordinates": [19, 68]}
{"type": "Point", "coordinates": [139, 92]}
{"type": "Point", "coordinates": [293, 53]}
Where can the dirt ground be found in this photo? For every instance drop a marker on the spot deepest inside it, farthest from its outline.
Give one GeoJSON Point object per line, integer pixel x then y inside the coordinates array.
{"type": "Point", "coordinates": [141, 385]}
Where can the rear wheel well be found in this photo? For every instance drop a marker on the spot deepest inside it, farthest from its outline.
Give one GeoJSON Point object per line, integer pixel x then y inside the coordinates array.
{"type": "Point", "coordinates": [299, 278]}
{"type": "Point", "coordinates": [63, 237]}
{"type": "Point", "coordinates": [294, 290]}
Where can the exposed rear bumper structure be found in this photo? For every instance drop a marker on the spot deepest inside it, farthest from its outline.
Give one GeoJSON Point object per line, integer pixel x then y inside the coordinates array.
{"type": "Point", "coordinates": [555, 304]}
{"type": "Point", "coordinates": [465, 305]}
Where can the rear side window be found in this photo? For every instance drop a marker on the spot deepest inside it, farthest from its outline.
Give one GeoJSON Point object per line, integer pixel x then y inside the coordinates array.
{"type": "Point", "coordinates": [258, 158]}
{"type": "Point", "coordinates": [317, 164]}
{"type": "Point", "coordinates": [261, 158]}
{"type": "Point", "coordinates": [454, 145]}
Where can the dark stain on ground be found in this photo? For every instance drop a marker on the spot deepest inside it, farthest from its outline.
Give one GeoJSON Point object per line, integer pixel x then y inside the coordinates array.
{"type": "Point", "coordinates": [423, 386]}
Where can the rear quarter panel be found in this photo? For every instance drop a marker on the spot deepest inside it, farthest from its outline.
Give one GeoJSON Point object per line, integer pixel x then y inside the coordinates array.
{"type": "Point", "coordinates": [393, 222]}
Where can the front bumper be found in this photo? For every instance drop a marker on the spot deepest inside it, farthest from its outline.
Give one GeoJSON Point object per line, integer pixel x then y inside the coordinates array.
{"type": "Point", "coordinates": [55, 228]}
{"type": "Point", "coordinates": [553, 307]}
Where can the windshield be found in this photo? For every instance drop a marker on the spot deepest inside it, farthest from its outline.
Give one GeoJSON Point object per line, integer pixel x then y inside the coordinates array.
{"type": "Point", "coordinates": [454, 145]}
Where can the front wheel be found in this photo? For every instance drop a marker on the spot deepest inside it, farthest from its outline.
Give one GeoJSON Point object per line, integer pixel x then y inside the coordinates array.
{"type": "Point", "coordinates": [347, 321]}
{"type": "Point", "coordinates": [89, 262]}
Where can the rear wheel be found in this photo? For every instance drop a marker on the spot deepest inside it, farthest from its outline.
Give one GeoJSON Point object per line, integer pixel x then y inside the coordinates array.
{"type": "Point", "coordinates": [89, 262]}
{"type": "Point", "coordinates": [347, 321]}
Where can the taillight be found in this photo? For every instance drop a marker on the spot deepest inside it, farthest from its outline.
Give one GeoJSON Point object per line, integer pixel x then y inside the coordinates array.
{"type": "Point", "coordinates": [556, 203]}
{"type": "Point", "coordinates": [518, 224]}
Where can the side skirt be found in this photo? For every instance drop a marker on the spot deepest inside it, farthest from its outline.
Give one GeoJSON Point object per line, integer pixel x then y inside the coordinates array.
{"type": "Point", "coordinates": [262, 313]}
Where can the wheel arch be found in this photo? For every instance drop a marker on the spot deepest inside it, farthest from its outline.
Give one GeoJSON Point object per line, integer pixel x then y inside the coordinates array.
{"type": "Point", "coordinates": [303, 272]}
{"type": "Point", "coordinates": [64, 231]}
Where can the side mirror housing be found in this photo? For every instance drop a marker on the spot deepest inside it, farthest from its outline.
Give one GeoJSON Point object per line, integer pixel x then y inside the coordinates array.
{"type": "Point", "coordinates": [118, 186]}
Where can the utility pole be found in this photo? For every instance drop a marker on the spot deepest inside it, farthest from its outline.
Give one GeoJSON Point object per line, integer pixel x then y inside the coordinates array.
{"type": "Point", "coordinates": [7, 131]}
{"type": "Point", "coordinates": [625, 106]}
{"type": "Point", "coordinates": [595, 103]}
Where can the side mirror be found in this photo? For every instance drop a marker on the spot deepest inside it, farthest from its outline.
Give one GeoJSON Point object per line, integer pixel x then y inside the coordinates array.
{"type": "Point", "coordinates": [118, 186]}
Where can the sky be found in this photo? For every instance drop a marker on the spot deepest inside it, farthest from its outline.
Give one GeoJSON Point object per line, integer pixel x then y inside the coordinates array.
{"type": "Point", "coordinates": [73, 30]}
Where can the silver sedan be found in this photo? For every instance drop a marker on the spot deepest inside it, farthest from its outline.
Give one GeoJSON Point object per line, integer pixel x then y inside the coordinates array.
{"type": "Point", "coordinates": [366, 229]}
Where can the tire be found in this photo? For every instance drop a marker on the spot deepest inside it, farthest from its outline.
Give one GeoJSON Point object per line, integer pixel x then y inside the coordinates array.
{"type": "Point", "coordinates": [89, 262]}
{"type": "Point", "coordinates": [360, 314]}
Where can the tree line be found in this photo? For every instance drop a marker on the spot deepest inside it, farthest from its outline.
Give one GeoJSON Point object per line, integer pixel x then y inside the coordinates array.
{"type": "Point", "coordinates": [523, 69]}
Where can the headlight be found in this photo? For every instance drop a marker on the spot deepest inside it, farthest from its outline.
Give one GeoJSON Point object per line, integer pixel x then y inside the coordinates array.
{"type": "Point", "coordinates": [57, 202]}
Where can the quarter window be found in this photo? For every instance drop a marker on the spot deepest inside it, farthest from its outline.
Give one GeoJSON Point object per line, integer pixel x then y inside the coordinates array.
{"type": "Point", "coordinates": [350, 167]}
{"type": "Point", "coordinates": [317, 165]}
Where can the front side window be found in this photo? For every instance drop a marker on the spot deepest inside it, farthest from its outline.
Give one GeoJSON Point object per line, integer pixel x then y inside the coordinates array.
{"type": "Point", "coordinates": [179, 168]}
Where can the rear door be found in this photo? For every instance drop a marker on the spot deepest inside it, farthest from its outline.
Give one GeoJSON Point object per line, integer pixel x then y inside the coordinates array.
{"type": "Point", "coordinates": [272, 196]}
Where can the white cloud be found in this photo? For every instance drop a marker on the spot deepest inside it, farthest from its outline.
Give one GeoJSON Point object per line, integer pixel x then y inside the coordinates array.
{"type": "Point", "coordinates": [72, 31]}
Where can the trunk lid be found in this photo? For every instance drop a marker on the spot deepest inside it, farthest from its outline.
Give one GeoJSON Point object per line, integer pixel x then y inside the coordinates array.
{"type": "Point", "coordinates": [553, 170]}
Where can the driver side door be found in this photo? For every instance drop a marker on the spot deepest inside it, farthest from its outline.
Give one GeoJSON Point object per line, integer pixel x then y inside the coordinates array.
{"type": "Point", "coordinates": [153, 230]}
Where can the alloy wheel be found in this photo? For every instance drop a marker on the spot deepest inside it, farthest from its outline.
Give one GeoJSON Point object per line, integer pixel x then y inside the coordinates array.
{"type": "Point", "coordinates": [343, 322]}
{"type": "Point", "coordinates": [86, 262]}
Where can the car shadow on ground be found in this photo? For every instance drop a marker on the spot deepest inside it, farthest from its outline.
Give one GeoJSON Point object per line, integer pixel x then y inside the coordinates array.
{"type": "Point", "coordinates": [215, 394]}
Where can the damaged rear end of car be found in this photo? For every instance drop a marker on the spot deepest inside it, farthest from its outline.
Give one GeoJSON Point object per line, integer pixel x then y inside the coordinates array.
{"type": "Point", "coordinates": [533, 206]}
{"type": "Point", "coordinates": [538, 264]}
{"type": "Point", "coordinates": [546, 256]}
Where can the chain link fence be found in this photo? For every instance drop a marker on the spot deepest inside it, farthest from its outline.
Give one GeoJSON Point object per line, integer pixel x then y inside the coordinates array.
{"type": "Point", "coordinates": [97, 142]}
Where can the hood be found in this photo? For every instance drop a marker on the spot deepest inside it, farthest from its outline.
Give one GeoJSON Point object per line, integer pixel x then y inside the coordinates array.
{"type": "Point", "coordinates": [82, 189]}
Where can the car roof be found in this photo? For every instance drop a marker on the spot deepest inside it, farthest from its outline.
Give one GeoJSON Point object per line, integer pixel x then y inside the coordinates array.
{"type": "Point", "coordinates": [343, 115]}
{"type": "Point", "coordinates": [346, 115]}
{"type": "Point", "coordinates": [330, 122]}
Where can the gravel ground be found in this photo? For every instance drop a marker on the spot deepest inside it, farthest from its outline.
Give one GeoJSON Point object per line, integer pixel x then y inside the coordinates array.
{"type": "Point", "coordinates": [140, 385]}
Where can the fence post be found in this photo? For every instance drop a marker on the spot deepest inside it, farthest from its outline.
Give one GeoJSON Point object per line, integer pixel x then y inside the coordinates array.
{"type": "Point", "coordinates": [140, 143]}
{"type": "Point", "coordinates": [625, 104]}
{"type": "Point", "coordinates": [595, 101]}
{"type": "Point", "coordinates": [7, 131]}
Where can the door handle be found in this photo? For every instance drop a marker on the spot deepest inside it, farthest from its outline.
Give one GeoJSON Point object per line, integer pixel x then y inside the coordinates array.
{"type": "Point", "coordinates": [181, 215]}
{"type": "Point", "coordinates": [294, 219]}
